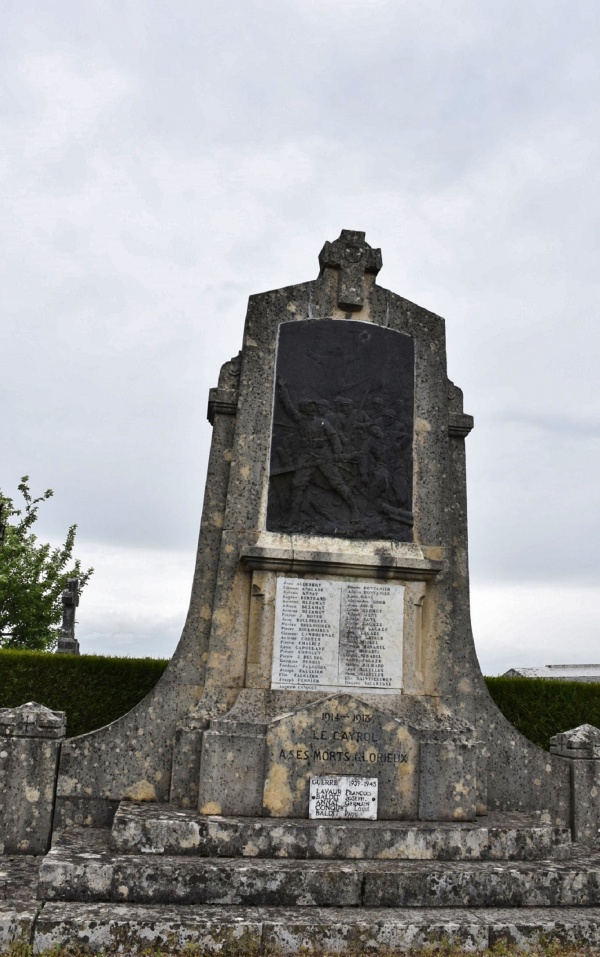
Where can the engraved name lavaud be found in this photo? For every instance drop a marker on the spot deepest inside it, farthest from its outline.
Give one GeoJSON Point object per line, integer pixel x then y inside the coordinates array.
{"type": "Point", "coordinates": [341, 447]}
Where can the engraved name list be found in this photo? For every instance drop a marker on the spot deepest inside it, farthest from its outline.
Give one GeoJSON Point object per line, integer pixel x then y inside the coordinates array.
{"type": "Point", "coordinates": [332, 636]}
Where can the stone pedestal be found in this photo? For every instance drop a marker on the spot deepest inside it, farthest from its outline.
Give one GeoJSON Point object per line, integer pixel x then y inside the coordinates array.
{"type": "Point", "coordinates": [581, 748]}
{"type": "Point", "coordinates": [232, 769]}
{"type": "Point", "coordinates": [30, 740]}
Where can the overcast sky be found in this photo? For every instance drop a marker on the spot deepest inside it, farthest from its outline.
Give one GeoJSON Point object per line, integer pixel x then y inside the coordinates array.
{"type": "Point", "coordinates": [163, 161]}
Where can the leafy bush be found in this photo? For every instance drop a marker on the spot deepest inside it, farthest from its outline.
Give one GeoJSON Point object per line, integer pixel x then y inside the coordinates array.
{"type": "Point", "coordinates": [540, 708]}
{"type": "Point", "coordinates": [93, 690]}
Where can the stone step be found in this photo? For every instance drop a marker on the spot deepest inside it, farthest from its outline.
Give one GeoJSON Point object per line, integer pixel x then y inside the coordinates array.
{"type": "Point", "coordinates": [82, 867]}
{"type": "Point", "coordinates": [129, 929]}
{"type": "Point", "coordinates": [161, 829]}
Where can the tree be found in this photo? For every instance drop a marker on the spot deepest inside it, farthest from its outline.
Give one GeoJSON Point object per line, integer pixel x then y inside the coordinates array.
{"type": "Point", "coordinates": [33, 576]}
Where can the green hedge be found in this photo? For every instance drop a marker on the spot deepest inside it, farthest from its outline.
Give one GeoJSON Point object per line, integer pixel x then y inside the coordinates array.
{"type": "Point", "coordinates": [539, 708]}
{"type": "Point", "coordinates": [92, 689]}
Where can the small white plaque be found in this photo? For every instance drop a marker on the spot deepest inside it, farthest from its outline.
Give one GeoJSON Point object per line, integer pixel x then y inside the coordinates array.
{"type": "Point", "coordinates": [343, 796]}
{"type": "Point", "coordinates": [332, 635]}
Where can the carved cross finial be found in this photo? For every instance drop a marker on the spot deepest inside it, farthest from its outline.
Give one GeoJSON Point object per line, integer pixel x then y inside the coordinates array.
{"type": "Point", "coordinates": [353, 257]}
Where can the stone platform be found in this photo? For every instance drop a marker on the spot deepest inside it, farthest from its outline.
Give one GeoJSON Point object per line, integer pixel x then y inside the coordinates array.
{"type": "Point", "coordinates": [160, 829]}
{"type": "Point", "coordinates": [258, 930]}
{"type": "Point", "coordinates": [81, 869]}
{"type": "Point", "coordinates": [166, 877]}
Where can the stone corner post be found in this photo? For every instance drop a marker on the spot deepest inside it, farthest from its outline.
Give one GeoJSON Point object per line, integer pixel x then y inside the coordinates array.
{"type": "Point", "coordinates": [581, 746]}
{"type": "Point", "coordinates": [30, 740]}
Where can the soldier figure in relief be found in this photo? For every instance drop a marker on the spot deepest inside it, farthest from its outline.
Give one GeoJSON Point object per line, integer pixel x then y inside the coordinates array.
{"type": "Point", "coordinates": [319, 446]}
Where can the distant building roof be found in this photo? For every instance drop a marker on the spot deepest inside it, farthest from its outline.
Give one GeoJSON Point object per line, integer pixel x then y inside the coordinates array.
{"type": "Point", "coordinates": [557, 672]}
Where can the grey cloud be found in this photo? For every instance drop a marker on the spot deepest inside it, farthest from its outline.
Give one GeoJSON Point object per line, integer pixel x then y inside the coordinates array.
{"type": "Point", "coordinates": [163, 163]}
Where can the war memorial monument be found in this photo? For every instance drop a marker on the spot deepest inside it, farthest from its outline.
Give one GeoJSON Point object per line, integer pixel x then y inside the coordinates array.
{"type": "Point", "coordinates": [321, 765]}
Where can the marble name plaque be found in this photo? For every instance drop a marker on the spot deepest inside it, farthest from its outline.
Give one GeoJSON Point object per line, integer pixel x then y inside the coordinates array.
{"type": "Point", "coordinates": [342, 796]}
{"type": "Point", "coordinates": [333, 636]}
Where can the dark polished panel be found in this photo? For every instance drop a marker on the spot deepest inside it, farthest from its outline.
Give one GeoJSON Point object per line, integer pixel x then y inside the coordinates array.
{"type": "Point", "coordinates": [341, 445]}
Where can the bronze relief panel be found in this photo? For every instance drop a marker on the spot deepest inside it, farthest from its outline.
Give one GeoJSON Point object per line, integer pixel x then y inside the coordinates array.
{"type": "Point", "coordinates": [341, 443]}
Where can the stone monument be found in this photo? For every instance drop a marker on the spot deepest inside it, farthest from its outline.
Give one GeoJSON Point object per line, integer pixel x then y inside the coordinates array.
{"type": "Point", "coordinates": [328, 631]}
{"type": "Point", "coordinates": [323, 736]}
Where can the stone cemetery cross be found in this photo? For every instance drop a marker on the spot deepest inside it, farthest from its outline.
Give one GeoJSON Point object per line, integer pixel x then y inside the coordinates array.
{"type": "Point", "coordinates": [353, 257]}
{"type": "Point", "coordinates": [67, 643]}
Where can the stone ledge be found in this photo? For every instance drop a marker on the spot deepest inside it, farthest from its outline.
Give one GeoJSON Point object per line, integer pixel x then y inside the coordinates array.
{"type": "Point", "coordinates": [354, 564]}
{"type": "Point", "coordinates": [81, 867]}
{"type": "Point", "coordinates": [74, 874]}
{"type": "Point", "coordinates": [221, 402]}
{"type": "Point", "coordinates": [129, 929]}
{"type": "Point", "coordinates": [160, 829]}
{"type": "Point", "coordinates": [460, 424]}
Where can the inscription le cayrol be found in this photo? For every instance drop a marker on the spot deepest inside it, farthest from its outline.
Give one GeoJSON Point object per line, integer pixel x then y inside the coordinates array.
{"type": "Point", "coordinates": [341, 445]}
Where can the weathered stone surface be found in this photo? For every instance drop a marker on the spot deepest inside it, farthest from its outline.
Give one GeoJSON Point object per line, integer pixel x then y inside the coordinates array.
{"type": "Point", "coordinates": [127, 929]}
{"type": "Point", "coordinates": [18, 877]}
{"type": "Point", "coordinates": [580, 750]}
{"type": "Point", "coordinates": [585, 796]}
{"type": "Point", "coordinates": [447, 780]}
{"type": "Point", "coordinates": [79, 869]}
{"type": "Point", "coordinates": [232, 773]}
{"type": "Point", "coordinates": [585, 673]}
{"type": "Point", "coordinates": [67, 643]}
{"type": "Point", "coordinates": [334, 930]}
{"type": "Point", "coordinates": [231, 882]}
{"type": "Point", "coordinates": [353, 258]}
{"type": "Point", "coordinates": [18, 905]}
{"type": "Point", "coordinates": [32, 720]}
{"type": "Point", "coordinates": [582, 742]}
{"type": "Point", "coordinates": [170, 880]}
{"type": "Point", "coordinates": [156, 829]}
{"type": "Point", "coordinates": [523, 928]}
{"type": "Point", "coordinates": [16, 922]}
{"type": "Point", "coordinates": [30, 739]}
{"type": "Point", "coordinates": [345, 735]}
{"type": "Point", "coordinates": [79, 865]}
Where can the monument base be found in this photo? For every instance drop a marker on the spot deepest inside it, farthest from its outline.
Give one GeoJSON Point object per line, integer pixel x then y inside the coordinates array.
{"type": "Point", "coordinates": [162, 874]}
{"type": "Point", "coordinates": [130, 929]}
{"type": "Point", "coordinates": [259, 758]}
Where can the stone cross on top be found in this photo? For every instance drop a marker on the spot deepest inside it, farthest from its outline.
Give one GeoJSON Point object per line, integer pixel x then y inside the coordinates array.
{"type": "Point", "coordinates": [353, 257]}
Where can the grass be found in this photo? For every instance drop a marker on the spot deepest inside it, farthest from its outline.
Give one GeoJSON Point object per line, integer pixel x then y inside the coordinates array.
{"type": "Point", "coordinates": [236, 949]}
